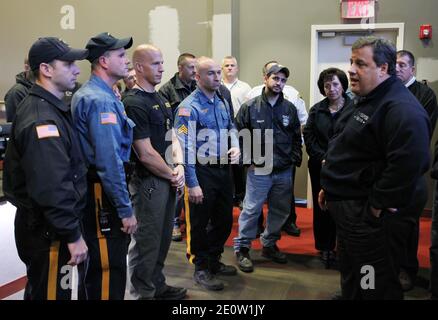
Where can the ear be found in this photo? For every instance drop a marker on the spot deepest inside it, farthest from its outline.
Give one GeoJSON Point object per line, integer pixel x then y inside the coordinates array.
{"type": "Point", "coordinates": [384, 69]}
{"type": "Point", "coordinates": [138, 67]}
{"type": "Point", "coordinates": [46, 70]}
{"type": "Point", "coordinates": [265, 79]}
{"type": "Point", "coordinates": [197, 76]}
{"type": "Point", "coordinates": [103, 62]}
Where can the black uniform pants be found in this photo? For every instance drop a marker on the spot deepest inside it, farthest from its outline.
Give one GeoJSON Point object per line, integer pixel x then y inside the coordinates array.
{"type": "Point", "coordinates": [239, 179]}
{"type": "Point", "coordinates": [434, 247]}
{"type": "Point", "coordinates": [209, 223]}
{"type": "Point", "coordinates": [324, 228]}
{"type": "Point", "coordinates": [292, 217]}
{"type": "Point", "coordinates": [368, 269]}
{"type": "Point", "coordinates": [105, 276]}
{"type": "Point", "coordinates": [48, 275]}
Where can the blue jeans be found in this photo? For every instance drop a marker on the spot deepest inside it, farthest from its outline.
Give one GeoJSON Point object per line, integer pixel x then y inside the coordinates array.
{"type": "Point", "coordinates": [277, 188]}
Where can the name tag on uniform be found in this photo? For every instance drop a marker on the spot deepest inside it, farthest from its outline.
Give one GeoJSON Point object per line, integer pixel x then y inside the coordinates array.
{"type": "Point", "coordinates": [108, 118]}
{"type": "Point", "coordinates": [260, 121]}
{"type": "Point", "coordinates": [47, 131]}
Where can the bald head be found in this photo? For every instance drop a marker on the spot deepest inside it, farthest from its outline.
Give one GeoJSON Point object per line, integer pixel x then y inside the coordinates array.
{"type": "Point", "coordinates": [203, 63]}
{"type": "Point", "coordinates": [208, 75]}
{"type": "Point", "coordinates": [148, 64]}
{"type": "Point", "coordinates": [142, 52]}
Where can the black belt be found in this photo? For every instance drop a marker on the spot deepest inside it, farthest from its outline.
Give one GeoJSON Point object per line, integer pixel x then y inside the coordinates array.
{"type": "Point", "coordinates": [92, 175]}
{"type": "Point", "coordinates": [214, 165]}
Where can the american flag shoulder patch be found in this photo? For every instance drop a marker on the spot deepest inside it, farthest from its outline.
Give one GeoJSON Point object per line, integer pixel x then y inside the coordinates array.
{"type": "Point", "coordinates": [183, 129]}
{"type": "Point", "coordinates": [47, 131]}
{"type": "Point", "coordinates": [108, 118]}
{"type": "Point", "coordinates": [184, 112]}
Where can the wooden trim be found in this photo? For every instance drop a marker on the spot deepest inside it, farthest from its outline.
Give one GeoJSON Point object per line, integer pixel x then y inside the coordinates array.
{"type": "Point", "coordinates": [12, 287]}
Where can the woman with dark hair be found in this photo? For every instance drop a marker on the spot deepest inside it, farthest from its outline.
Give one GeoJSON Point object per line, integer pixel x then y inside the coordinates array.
{"type": "Point", "coordinates": [333, 84]}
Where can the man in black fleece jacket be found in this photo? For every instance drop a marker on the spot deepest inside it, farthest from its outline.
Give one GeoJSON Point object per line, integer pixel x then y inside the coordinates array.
{"type": "Point", "coordinates": [374, 166]}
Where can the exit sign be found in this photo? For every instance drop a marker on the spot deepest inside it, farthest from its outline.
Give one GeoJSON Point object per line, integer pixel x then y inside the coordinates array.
{"type": "Point", "coordinates": [357, 9]}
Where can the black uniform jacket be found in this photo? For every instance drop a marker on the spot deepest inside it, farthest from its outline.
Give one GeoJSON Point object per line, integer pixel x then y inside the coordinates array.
{"type": "Point", "coordinates": [17, 93]}
{"type": "Point", "coordinates": [257, 113]}
{"type": "Point", "coordinates": [44, 173]}
{"type": "Point", "coordinates": [382, 150]}
{"type": "Point", "coordinates": [175, 91]}
{"type": "Point", "coordinates": [320, 128]}
{"type": "Point", "coordinates": [427, 98]}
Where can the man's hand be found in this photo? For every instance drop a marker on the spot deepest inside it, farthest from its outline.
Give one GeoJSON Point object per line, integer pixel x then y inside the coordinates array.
{"type": "Point", "coordinates": [234, 155]}
{"type": "Point", "coordinates": [375, 212]}
{"type": "Point", "coordinates": [180, 193]}
{"type": "Point", "coordinates": [78, 251]}
{"type": "Point", "coordinates": [178, 180]}
{"type": "Point", "coordinates": [129, 225]}
{"type": "Point", "coordinates": [196, 195]}
{"type": "Point", "coordinates": [321, 200]}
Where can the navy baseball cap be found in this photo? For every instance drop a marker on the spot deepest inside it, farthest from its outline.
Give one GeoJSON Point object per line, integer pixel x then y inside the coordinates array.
{"type": "Point", "coordinates": [276, 68]}
{"type": "Point", "coordinates": [47, 49]}
{"type": "Point", "coordinates": [103, 42]}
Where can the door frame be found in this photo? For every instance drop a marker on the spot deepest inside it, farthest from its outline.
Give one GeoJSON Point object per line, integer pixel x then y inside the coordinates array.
{"type": "Point", "coordinates": [399, 27]}
{"type": "Point", "coordinates": [315, 29]}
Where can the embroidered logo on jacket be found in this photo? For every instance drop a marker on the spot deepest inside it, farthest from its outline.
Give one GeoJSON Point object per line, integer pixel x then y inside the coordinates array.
{"type": "Point", "coordinates": [361, 117]}
{"type": "Point", "coordinates": [285, 120]}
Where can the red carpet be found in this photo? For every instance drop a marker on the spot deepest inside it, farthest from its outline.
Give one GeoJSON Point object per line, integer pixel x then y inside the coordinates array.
{"type": "Point", "coordinates": [304, 244]}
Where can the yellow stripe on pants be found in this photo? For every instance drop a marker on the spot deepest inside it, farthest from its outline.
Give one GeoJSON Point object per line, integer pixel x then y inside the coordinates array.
{"type": "Point", "coordinates": [188, 226]}
{"type": "Point", "coordinates": [53, 271]}
{"type": "Point", "coordinates": [103, 246]}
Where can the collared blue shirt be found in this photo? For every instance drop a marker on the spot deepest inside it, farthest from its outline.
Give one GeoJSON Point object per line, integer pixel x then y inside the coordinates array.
{"type": "Point", "coordinates": [105, 135]}
{"type": "Point", "coordinates": [202, 128]}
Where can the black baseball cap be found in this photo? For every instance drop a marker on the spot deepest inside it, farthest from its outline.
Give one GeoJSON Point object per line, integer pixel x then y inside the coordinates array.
{"type": "Point", "coordinates": [276, 68]}
{"type": "Point", "coordinates": [103, 42]}
{"type": "Point", "coordinates": [47, 49]}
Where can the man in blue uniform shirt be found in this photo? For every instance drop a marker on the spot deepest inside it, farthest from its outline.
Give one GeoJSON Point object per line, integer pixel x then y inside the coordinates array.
{"type": "Point", "coordinates": [202, 122]}
{"type": "Point", "coordinates": [105, 135]}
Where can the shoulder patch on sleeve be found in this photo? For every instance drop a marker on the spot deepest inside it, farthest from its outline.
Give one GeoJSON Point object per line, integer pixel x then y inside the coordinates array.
{"type": "Point", "coordinates": [47, 131]}
{"type": "Point", "coordinates": [184, 112]}
{"type": "Point", "coordinates": [108, 118]}
{"type": "Point", "coordinates": [183, 129]}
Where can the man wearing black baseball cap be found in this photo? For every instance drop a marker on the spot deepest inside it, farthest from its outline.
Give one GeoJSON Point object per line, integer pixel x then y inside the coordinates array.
{"type": "Point", "coordinates": [268, 115]}
{"type": "Point", "coordinates": [49, 206]}
{"type": "Point", "coordinates": [105, 135]}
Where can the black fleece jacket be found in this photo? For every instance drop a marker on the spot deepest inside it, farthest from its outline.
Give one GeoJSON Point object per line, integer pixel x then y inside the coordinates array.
{"type": "Point", "coordinates": [382, 150]}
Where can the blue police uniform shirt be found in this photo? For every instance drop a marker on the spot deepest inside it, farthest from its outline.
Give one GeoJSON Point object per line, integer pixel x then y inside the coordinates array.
{"type": "Point", "coordinates": [202, 128]}
{"type": "Point", "coordinates": [105, 135]}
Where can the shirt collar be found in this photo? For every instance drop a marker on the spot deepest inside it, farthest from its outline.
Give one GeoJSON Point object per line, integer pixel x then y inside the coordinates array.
{"type": "Point", "coordinates": [230, 85]}
{"type": "Point", "coordinates": [179, 84]}
{"type": "Point", "coordinates": [410, 82]}
{"type": "Point", "coordinates": [203, 99]}
{"type": "Point", "coordinates": [39, 91]}
{"type": "Point", "coordinates": [101, 84]}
